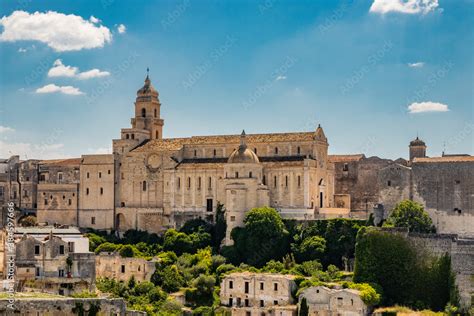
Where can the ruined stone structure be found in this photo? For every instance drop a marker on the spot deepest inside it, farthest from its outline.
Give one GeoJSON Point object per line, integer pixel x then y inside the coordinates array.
{"type": "Point", "coordinates": [327, 302]}
{"type": "Point", "coordinates": [114, 266]}
{"type": "Point", "coordinates": [247, 293]}
{"type": "Point", "coordinates": [153, 183]}
{"type": "Point", "coordinates": [443, 185]}
{"type": "Point", "coordinates": [54, 260]}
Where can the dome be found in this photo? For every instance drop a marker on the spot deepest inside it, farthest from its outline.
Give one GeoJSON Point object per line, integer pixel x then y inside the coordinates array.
{"type": "Point", "coordinates": [243, 154]}
{"type": "Point", "coordinates": [147, 88]}
{"type": "Point", "coordinates": [417, 142]}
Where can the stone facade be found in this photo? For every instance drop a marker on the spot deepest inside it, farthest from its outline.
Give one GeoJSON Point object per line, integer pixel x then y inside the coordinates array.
{"type": "Point", "coordinates": [114, 266]}
{"type": "Point", "coordinates": [247, 293]}
{"type": "Point", "coordinates": [54, 260]}
{"type": "Point", "coordinates": [327, 302]}
{"type": "Point", "coordinates": [443, 185]}
{"type": "Point", "coordinates": [64, 306]}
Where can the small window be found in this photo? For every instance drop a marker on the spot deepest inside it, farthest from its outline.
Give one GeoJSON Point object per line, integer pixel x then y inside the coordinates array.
{"type": "Point", "coordinates": [299, 181]}
{"type": "Point", "coordinates": [37, 272]}
{"type": "Point", "coordinates": [250, 174]}
{"type": "Point", "coordinates": [231, 284]}
{"type": "Point", "coordinates": [143, 112]}
{"type": "Point", "coordinates": [298, 150]}
{"type": "Point", "coordinates": [122, 176]}
{"type": "Point", "coordinates": [210, 183]}
{"type": "Point", "coordinates": [275, 286]}
{"type": "Point", "coordinates": [61, 249]}
{"type": "Point", "coordinates": [389, 183]}
{"type": "Point", "coordinates": [127, 136]}
{"type": "Point", "coordinates": [122, 268]}
{"type": "Point", "coordinates": [261, 286]}
{"type": "Point", "coordinates": [155, 113]}
{"type": "Point", "coordinates": [286, 181]}
{"type": "Point", "coordinates": [100, 174]}
{"type": "Point", "coordinates": [122, 204]}
{"type": "Point", "coordinates": [246, 302]}
{"type": "Point", "coordinates": [345, 167]}
{"type": "Point", "coordinates": [45, 201]}
{"type": "Point", "coordinates": [195, 153]}
{"type": "Point", "coordinates": [157, 135]}
{"type": "Point", "coordinates": [199, 183]}
{"type": "Point", "coordinates": [262, 303]}
{"type": "Point", "coordinates": [88, 175]}
{"type": "Point", "coordinates": [276, 150]}
{"type": "Point", "coordinates": [37, 249]}
{"type": "Point", "coordinates": [231, 301]}
{"type": "Point", "coordinates": [232, 218]}
{"type": "Point", "coordinates": [93, 220]}
{"type": "Point", "coordinates": [264, 180]}
{"type": "Point", "coordinates": [248, 313]}
{"type": "Point", "coordinates": [144, 186]}
{"type": "Point", "coordinates": [87, 191]}
{"type": "Point", "coordinates": [236, 174]}
{"type": "Point", "coordinates": [275, 181]}
{"type": "Point", "coordinates": [108, 171]}
{"type": "Point", "coordinates": [64, 197]}
{"type": "Point", "coordinates": [70, 246]}
{"type": "Point", "coordinates": [189, 182]}
{"type": "Point", "coordinates": [133, 136]}
{"type": "Point", "coordinates": [101, 191]}
{"type": "Point", "coordinates": [69, 202]}
{"type": "Point", "coordinates": [255, 150]}
{"type": "Point", "coordinates": [275, 302]}
{"type": "Point", "coordinates": [215, 152]}
{"type": "Point", "coordinates": [247, 285]}
{"type": "Point", "coordinates": [179, 182]}
{"type": "Point", "coordinates": [61, 273]}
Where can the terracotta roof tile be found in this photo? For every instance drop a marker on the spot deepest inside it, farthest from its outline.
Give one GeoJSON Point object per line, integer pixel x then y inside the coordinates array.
{"type": "Point", "coordinates": [345, 158]}
{"type": "Point", "coordinates": [177, 143]}
{"type": "Point", "coordinates": [444, 159]}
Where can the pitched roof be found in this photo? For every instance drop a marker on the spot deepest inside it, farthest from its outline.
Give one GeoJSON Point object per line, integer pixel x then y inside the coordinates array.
{"type": "Point", "coordinates": [177, 143]}
{"type": "Point", "coordinates": [345, 158]}
{"type": "Point", "coordinates": [444, 159]}
{"type": "Point", "coordinates": [62, 162]}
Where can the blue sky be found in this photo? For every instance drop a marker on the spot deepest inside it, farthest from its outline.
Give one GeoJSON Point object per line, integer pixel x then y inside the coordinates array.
{"type": "Point", "coordinates": [356, 67]}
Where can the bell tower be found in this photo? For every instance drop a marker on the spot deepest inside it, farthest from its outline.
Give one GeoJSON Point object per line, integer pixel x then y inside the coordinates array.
{"type": "Point", "coordinates": [147, 110]}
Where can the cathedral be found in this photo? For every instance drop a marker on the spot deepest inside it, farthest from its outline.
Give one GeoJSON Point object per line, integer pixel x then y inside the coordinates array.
{"type": "Point", "coordinates": [153, 183]}
{"type": "Point", "coordinates": [162, 182]}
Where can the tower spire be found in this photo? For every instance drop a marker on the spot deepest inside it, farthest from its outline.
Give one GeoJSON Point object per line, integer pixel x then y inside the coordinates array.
{"type": "Point", "coordinates": [243, 144]}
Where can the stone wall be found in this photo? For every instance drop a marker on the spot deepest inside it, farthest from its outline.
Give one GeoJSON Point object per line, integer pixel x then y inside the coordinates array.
{"type": "Point", "coordinates": [62, 306]}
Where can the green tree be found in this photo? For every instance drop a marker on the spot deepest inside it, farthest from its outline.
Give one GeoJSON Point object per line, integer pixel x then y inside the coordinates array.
{"type": "Point", "coordinates": [410, 215]}
{"type": "Point", "coordinates": [311, 248]}
{"type": "Point", "coordinates": [219, 228]}
{"type": "Point", "coordinates": [172, 279]}
{"type": "Point", "coordinates": [263, 237]}
{"type": "Point", "coordinates": [304, 309]}
{"type": "Point", "coordinates": [107, 247]}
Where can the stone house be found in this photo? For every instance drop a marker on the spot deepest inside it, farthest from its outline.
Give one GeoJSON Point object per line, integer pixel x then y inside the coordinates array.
{"type": "Point", "coordinates": [114, 266]}
{"type": "Point", "coordinates": [333, 302]}
{"type": "Point", "coordinates": [248, 293]}
{"type": "Point", "coordinates": [53, 260]}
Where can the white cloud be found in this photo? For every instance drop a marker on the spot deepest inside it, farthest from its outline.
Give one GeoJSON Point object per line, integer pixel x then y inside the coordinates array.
{"type": "Point", "coordinates": [280, 78]}
{"type": "Point", "coordinates": [427, 106]}
{"type": "Point", "coordinates": [6, 129]}
{"type": "Point", "coordinates": [59, 31]}
{"type": "Point", "coordinates": [404, 6]}
{"type": "Point", "coordinates": [32, 151]}
{"type": "Point", "coordinates": [416, 65]}
{"type": "Point", "coordinates": [61, 70]}
{"type": "Point", "coordinates": [93, 19]}
{"type": "Point", "coordinates": [52, 88]}
{"type": "Point", "coordinates": [121, 28]}
{"type": "Point", "coordinates": [22, 50]}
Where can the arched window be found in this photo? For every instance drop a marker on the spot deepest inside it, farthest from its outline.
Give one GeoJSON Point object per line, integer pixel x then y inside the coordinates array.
{"type": "Point", "coordinates": [155, 113]}
{"type": "Point", "coordinates": [157, 135]}
{"type": "Point", "coordinates": [133, 136]}
{"type": "Point", "coordinates": [298, 150]}
{"type": "Point", "coordinates": [144, 186]}
{"type": "Point", "coordinates": [276, 150]}
{"type": "Point", "coordinates": [286, 181]}
{"type": "Point", "coordinates": [143, 112]}
{"type": "Point", "coordinates": [189, 182]}
{"type": "Point", "coordinates": [127, 136]}
{"type": "Point", "coordinates": [250, 174]}
{"type": "Point", "coordinates": [264, 180]}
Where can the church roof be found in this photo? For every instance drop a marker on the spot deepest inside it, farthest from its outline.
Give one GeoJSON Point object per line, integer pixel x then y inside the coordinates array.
{"type": "Point", "coordinates": [177, 143]}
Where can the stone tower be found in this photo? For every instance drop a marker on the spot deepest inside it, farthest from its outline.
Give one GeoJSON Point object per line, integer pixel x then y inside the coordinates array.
{"type": "Point", "coordinates": [147, 111]}
{"type": "Point", "coordinates": [417, 149]}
